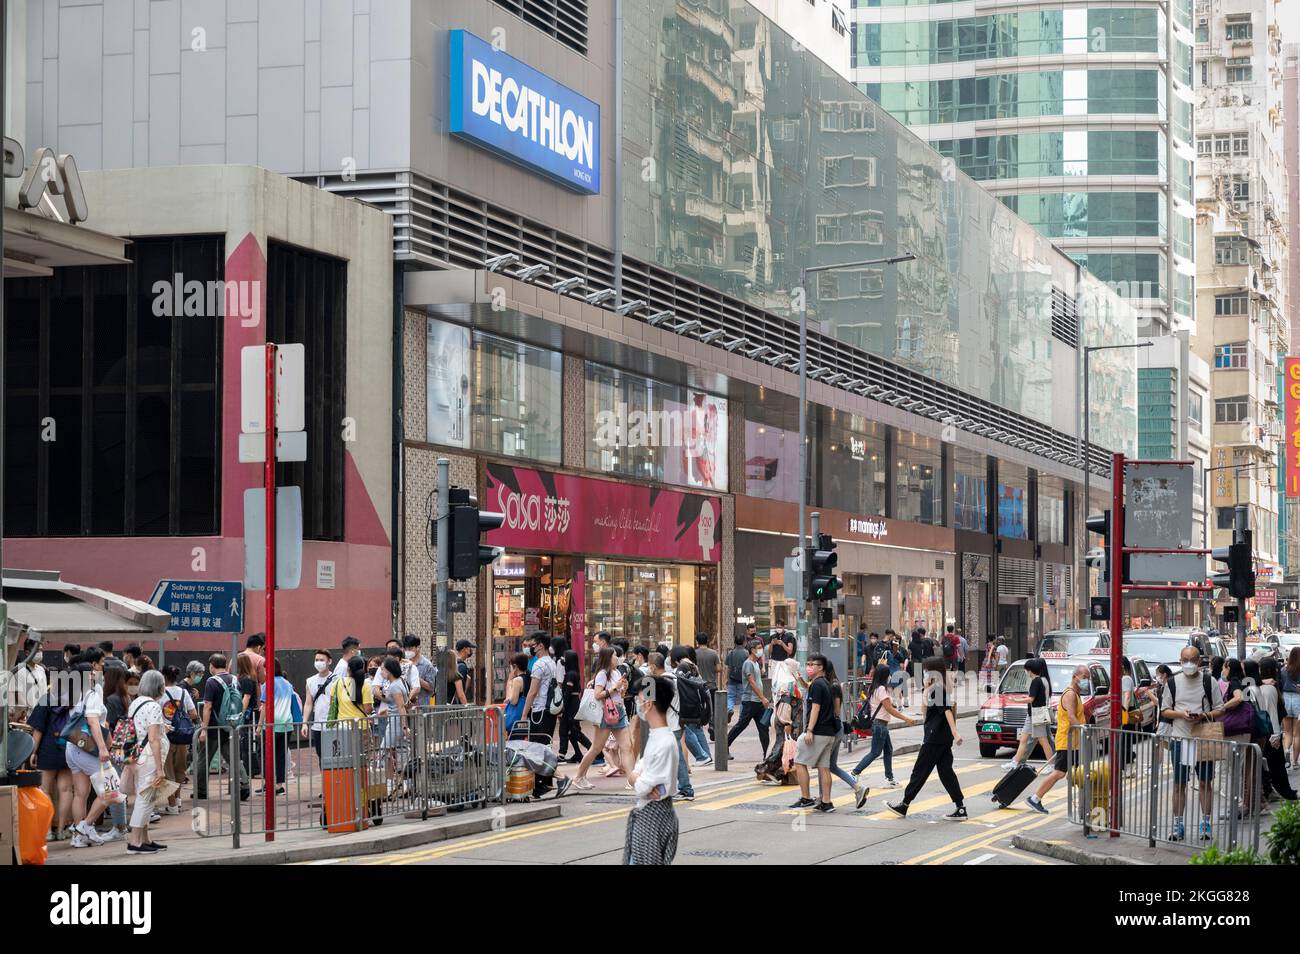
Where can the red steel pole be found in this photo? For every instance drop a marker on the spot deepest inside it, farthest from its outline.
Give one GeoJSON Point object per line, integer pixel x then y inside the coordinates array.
{"type": "Point", "coordinates": [268, 710]}
{"type": "Point", "coordinates": [1116, 631]}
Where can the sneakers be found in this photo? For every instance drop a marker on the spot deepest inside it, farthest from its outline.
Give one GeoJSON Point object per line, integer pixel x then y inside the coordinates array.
{"type": "Point", "coordinates": [957, 814]}
{"type": "Point", "coordinates": [1179, 832]}
{"type": "Point", "coordinates": [583, 784]}
{"type": "Point", "coordinates": [87, 831]}
{"type": "Point", "coordinates": [80, 841]}
{"type": "Point", "coordinates": [1206, 832]}
{"type": "Point", "coordinates": [685, 796]}
{"type": "Point", "coordinates": [562, 785]}
{"type": "Point", "coordinates": [1036, 804]}
{"type": "Point", "coordinates": [803, 803]}
{"type": "Point", "coordinates": [146, 849]}
{"type": "Point", "coordinates": [1011, 766]}
{"type": "Point", "coordinates": [891, 782]}
{"type": "Point", "coordinates": [900, 809]}
{"type": "Point", "coordinates": [863, 792]}
{"type": "Point", "coordinates": [707, 761]}
{"type": "Point", "coordinates": [824, 807]}
{"type": "Point", "coordinates": [114, 834]}
{"type": "Point", "coordinates": [171, 809]}
{"type": "Point", "coordinates": [599, 760]}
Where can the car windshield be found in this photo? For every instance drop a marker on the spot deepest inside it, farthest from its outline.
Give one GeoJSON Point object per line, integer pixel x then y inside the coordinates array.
{"type": "Point", "coordinates": [1018, 679]}
{"type": "Point", "coordinates": [1158, 648]}
{"type": "Point", "coordinates": [1072, 643]}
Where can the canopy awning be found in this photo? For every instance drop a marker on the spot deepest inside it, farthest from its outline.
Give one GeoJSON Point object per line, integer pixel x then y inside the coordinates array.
{"type": "Point", "coordinates": [42, 605]}
{"type": "Point", "coordinates": [35, 245]}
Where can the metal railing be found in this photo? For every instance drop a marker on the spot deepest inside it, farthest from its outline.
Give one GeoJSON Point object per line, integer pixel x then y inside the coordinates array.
{"type": "Point", "coordinates": [347, 775]}
{"type": "Point", "coordinates": [1194, 792]}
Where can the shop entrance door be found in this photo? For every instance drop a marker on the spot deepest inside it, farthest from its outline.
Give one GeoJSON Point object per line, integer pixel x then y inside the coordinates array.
{"type": "Point", "coordinates": [1011, 627]}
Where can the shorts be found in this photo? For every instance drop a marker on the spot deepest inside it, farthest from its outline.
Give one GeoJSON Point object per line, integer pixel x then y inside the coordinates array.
{"type": "Point", "coordinates": [83, 763]}
{"type": "Point", "coordinates": [1030, 731]}
{"type": "Point", "coordinates": [1065, 759]}
{"type": "Point", "coordinates": [897, 678]}
{"type": "Point", "coordinates": [1182, 771]}
{"type": "Point", "coordinates": [1292, 702]}
{"type": "Point", "coordinates": [816, 754]}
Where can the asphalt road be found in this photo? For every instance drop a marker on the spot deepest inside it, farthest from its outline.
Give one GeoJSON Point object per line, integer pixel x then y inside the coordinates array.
{"type": "Point", "coordinates": [736, 820]}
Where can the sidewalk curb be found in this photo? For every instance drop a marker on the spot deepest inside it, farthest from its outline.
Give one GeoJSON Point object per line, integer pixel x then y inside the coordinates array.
{"type": "Point", "coordinates": [1063, 852]}
{"type": "Point", "coordinates": [406, 838]}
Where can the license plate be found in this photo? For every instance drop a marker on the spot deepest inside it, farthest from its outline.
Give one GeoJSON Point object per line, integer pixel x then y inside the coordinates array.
{"type": "Point", "coordinates": [992, 727]}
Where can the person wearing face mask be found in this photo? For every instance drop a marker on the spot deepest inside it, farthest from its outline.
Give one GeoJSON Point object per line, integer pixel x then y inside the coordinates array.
{"type": "Point", "coordinates": [1069, 713]}
{"type": "Point", "coordinates": [936, 745]}
{"type": "Point", "coordinates": [651, 837]}
{"type": "Point", "coordinates": [820, 734]}
{"type": "Point", "coordinates": [31, 681]}
{"type": "Point", "coordinates": [1190, 698]}
{"type": "Point", "coordinates": [425, 672]}
{"type": "Point", "coordinates": [318, 697]}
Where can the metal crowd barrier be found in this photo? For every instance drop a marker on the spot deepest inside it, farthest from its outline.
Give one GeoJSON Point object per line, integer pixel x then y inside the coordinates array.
{"type": "Point", "coordinates": [1159, 775]}
{"type": "Point", "coordinates": [853, 688]}
{"type": "Point", "coordinates": [347, 775]}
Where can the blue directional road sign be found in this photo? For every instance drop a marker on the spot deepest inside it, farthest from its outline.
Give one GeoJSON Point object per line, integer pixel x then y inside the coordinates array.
{"type": "Point", "coordinates": [201, 606]}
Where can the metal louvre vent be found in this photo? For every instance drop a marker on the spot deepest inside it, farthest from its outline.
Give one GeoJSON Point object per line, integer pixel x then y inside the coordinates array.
{"type": "Point", "coordinates": [566, 20]}
{"type": "Point", "coordinates": [1065, 318]}
{"type": "Point", "coordinates": [1015, 577]}
{"type": "Point", "coordinates": [440, 227]}
{"type": "Point", "coordinates": [1061, 574]}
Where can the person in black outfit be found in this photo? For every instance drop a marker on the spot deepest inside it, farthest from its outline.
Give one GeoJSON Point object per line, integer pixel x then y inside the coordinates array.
{"type": "Point", "coordinates": [936, 746]}
{"type": "Point", "coordinates": [570, 727]}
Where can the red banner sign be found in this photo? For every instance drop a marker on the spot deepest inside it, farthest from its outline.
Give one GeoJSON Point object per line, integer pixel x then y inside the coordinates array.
{"type": "Point", "coordinates": [1292, 378]}
{"type": "Point", "coordinates": [570, 514]}
{"type": "Point", "coordinates": [1266, 597]}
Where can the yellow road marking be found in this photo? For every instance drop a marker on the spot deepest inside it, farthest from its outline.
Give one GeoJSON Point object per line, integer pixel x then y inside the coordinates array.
{"type": "Point", "coordinates": [1018, 855]}
{"type": "Point", "coordinates": [995, 833]}
{"type": "Point", "coordinates": [850, 798]}
{"type": "Point", "coordinates": [936, 801]}
{"type": "Point", "coordinates": [762, 791]}
{"type": "Point", "coordinates": [1019, 825]}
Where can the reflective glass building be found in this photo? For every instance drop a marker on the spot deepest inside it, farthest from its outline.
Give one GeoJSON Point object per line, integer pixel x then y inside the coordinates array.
{"type": "Point", "coordinates": [1076, 116]}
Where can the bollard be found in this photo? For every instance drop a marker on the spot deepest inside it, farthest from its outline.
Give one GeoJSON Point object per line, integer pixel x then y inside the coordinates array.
{"type": "Point", "coordinates": [720, 730]}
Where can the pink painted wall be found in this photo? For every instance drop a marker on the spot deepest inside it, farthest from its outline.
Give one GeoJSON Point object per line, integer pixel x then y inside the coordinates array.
{"type": "Point", "coordinates": [305, 618]}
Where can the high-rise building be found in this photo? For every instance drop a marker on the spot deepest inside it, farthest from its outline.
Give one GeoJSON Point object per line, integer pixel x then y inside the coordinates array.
{"type": "Point", "coordinates": [1078, 117]}
{"type": "Point", "coordinates": [1242, 233]}
{"type": "Point", "coordinates": [1289, 507]}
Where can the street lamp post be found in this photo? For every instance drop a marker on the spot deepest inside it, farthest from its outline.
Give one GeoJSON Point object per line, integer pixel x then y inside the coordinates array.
{"type": "Point", "coordinates": [1087, 430]}
{"type": "Point", "coordinates": [803, 417]}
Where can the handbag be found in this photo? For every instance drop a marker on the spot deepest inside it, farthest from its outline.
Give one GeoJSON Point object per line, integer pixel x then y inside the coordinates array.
{"type": "Point", "coordinates": [612, 714]}
{"type": "Point", "coordinates": [590, 709]}
{"type": "Point", "coordinates": [1239, 720]}
{"type": "Point", "coordinates": [1040, 716]}
{"type": "Point", "coordinates": [789, 749]}
{"type": "Point", "coordinates": [1211, 732]}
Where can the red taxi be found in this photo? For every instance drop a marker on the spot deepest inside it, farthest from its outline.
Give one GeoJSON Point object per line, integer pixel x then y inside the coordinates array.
{"type": "Point", "coordinates": [1002, 714]}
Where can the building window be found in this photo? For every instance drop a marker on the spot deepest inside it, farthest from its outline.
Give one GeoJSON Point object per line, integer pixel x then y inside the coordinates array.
{"type": "Point", "coordinates": [850, 462]}
{"type": "Point", "coordinates": [1224, 518]}
{"type": "Point", "coordinates": [1051, 510]}
{"type": "Point", "coordinates": [772, 450]}
{"type": "Point", "coordinates": [1239, 190]}
{"type": "Point", "coordinates": [1236, 355]}
{"type": "Point", "coordinates": [918, 479]}
{"type": "Point", "coordinates": [307, 295]}
{"type": "Point", "coordinates": [866, 227]}
{"type": "Point", "coordinates": [1231, 250]}
{"type": "Point", "coordinates": [1229, 305]}
{"type": "Point", "coordinates": [1196, 411]}
{"type": "Point", "coordinates": [1238, 30]}
{"type": "Point", "coordinates": [1013, 501]}
{"type": "Point", "coordinates": [1232, 410]}
{"type": "Point", "coordinates": [1239, 69]}
{"type": "Point", "coordinates": [113, 412]}
{"type": "Point", "coordinates": [1240, 144]}
{"type": "Point", "coordinates": [970, 491]}
{"type": "Point", "coordinates": [848, 171]}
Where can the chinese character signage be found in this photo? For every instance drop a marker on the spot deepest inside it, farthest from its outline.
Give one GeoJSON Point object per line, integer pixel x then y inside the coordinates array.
{"type": "Point", "coordinates": [1292, 368]}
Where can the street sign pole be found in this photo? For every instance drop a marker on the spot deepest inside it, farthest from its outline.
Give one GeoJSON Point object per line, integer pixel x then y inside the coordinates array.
{"type": "Point", "coordinates": [1116, 631]}
{"type": "Point", "coordinates": [443, 548]}
{"type": "Point", "coordinates": [1240, 524]}
{"type": "Point", "coordinates": [268, 471]}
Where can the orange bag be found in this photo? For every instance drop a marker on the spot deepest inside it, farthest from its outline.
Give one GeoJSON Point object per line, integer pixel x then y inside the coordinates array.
{"type": "Point", "coordinates": [35, 812]}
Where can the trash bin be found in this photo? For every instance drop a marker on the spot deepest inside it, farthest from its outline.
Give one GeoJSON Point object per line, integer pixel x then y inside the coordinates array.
{"type": "Point", "coordinates": [340, 760]}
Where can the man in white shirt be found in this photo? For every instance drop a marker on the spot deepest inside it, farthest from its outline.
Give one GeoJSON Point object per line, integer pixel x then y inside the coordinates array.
{"type": "Point", "coordinates": [545, 670]}
{"type": "Point", "coordinates": [318, 697]}
{"type": "Point", "coordinates": [351, 646]}
{"type": "Point", "coordinates": [652, 824]}
{"type": "Point", "coordinates": [1189, 698]}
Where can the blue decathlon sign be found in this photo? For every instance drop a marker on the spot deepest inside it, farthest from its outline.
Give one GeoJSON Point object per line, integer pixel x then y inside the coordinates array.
{"type": "Point", "coordinates": [203, 606]}
{"type": "Point", "coordinates": [504, 105]}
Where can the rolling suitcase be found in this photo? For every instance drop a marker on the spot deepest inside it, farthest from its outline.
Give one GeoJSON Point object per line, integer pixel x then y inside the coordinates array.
{"type": "Point", "coordinates": [1013, 784]}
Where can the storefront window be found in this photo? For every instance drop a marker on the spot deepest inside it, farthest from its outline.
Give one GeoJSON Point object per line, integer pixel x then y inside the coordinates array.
{"type": "Point", "coordinates": [646, 603]}
{"type": "Point", "coordinates": [1051, 510]}
{"type": "Point", "coordinates": [643, 428]}
{"type": "Point", "coordinates": [492, 394]}
{"type": "Point", "coordinates": [771, 451]}
{"type": "Point", "coordinates": [851, 463]}
{"type": "Point", "coordinates": [970, 490]}
{"type": "Point", "coordinates": [918, 479]}
{"type": "Point", "coordinates": [920, 603]}
{"type": "Point", "coordinates": [1013, 501]}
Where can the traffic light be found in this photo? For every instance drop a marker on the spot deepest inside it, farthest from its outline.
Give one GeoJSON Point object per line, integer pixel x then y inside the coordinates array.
{"type": "Point", "coordinates": [819, 562]}
{"type": "Point", "coordinates": [1240, 576]}
{"type": "Point", "coordinates": [1099, 558]}
{"type": "Point", "coordinates": [467, 525]}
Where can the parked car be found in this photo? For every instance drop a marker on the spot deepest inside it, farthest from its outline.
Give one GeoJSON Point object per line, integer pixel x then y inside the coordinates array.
{"type": "Point", "coordinates": [1073, 642]}
{"type": "Point", "coordinates": [1159, 646]}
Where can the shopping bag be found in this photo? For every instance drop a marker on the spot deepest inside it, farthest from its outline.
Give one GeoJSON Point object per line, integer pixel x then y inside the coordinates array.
{"type": "Point", "coordinates": [108, 784]}
{"type": "Point", "coordinates": [590, 708]}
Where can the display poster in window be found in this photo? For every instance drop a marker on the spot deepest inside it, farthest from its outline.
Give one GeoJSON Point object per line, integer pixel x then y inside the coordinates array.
{"type": "Point", "coordinates": [566, 513]}
{"type": "Point", "coordinates": [449, 379]}
{"type": "Point", "coordinates": [695, 441]}
{"type": "Point", "coordinates": [771, 462]}
{"type": "Point", "coordinates": [1011, 512]}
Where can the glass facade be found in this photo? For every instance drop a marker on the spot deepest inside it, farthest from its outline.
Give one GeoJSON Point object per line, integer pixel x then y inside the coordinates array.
{"type": "Point", "coordinates": [651, 430]}
{"type": "Point", "coordinates": [1102, 214]}
{"type": "Point", "coordinates": [726, 122]}
{"type": "Point", "coordinates": [918, 479]}
{"type": "Point", "coordinates": [493, 394]}
{"type": "Point", "coordinates": [1013, 501]}
{"type": "Point", "coordinates": [850, 463]}
{"type": "Point", "coordinates": [1052, 526]}
{"type": "Point", "coordinates": [970, 490]}
{"type": "Point", "coordinates": [1130, 152]}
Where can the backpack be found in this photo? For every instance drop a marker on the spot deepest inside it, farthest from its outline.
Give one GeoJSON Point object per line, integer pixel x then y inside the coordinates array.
{"type": "Point", "coordinates": [174, 711]}
{"type": "Point", "coordinates": [695, 705]}
{"type": "Point", "coordinates": [123, 743]}
{"type": "Point", "coordinates": [555, 704]}
{"type": "Point", "coordinates": [1206, 691]}
{"type": "Point", "coordinates": [736, 666]}
{"type": "Point", "coordinates": [949, 648]}
{"type": "Point", "coordinates": [230, 711]}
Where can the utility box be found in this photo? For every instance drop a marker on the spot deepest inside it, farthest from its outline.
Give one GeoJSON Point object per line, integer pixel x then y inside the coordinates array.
{"type": "Point", "coordinates": [836, 651]}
